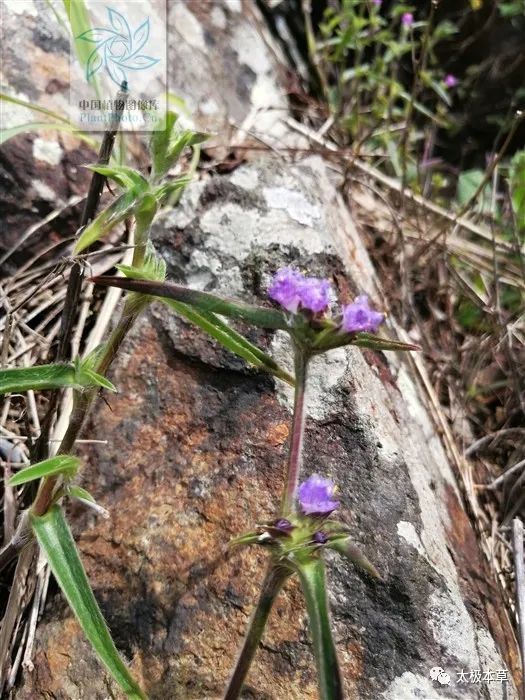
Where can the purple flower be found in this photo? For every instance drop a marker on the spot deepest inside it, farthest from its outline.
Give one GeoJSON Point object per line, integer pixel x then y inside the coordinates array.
{"type": "Point", "coordinates": [292, 290]}
{"type": "Point", "coordinates": [315, 496]}
{"type": "Point", "coordinates": [377, 3]}
{"type": "Point", "coordinates": [407, 19]}
{"type": "Point", "coordinates": [359, 317]}
{"type": "Point", "coordinates": [450, 80]}
{"type": "Point", "coordinates": [283, 525]}
{"type": "Point", "coordinates": [315, 294]}
{"type": "Point", "coordinates": [320, 537]}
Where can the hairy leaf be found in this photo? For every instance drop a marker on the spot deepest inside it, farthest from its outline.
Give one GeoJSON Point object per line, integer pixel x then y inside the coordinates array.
{"type": "Point", "coordinates": [42, 377]}
{"type": "Point", "coordinates": [55, 539]}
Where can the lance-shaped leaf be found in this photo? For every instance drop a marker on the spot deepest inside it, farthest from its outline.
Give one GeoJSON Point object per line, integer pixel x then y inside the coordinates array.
{"type": "Point", "coordinates": [121, 208]}
{"type": "Point", "coordinates": [125, 177]}
{"type": "Point", "coordinates": [167, 144]}
{"type": "Point", "coordinates": [203, 301]}
{"type": "Point", "coordinates": [164, 192]}
{"type": "Point", "coordinates": [313, 583]}
{"type": "Point", "coordinates": [54, 376]}
{"type": "Point", "coordinates": [336, 339]}
{"type": "Point", "coordinates": [74, 491]}
{"type": "Point", "coordinates": [55, 539]}
{"type": "Point", "coordinates": [61, 464]}
{"type": "Point", "coordinates": [230, 339]}
{"type": "Point", "coordinates": [345, 546]}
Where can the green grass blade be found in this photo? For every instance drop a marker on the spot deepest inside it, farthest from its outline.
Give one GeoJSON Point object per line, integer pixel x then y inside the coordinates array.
{"type": "Point", "coordinates": [202, 301]}
{"type": "Point", "coordinates": [61, 464]}
{"type": "Point", "coordinates": [313, 582]}
{"type": "Point", "coordinates": [55, 539]}
{"type": "Point", "coordinates": [230, 339]}
{"type": "Point", "coordinates": [10, 132]}
{"type": "Point", "coordinates": [34, 107]}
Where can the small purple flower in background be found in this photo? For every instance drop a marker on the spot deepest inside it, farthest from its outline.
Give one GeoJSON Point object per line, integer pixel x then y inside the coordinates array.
{"type": "Point", "coordinates": [320, 537]}
{"type": "Point", "coordinates": [407, 18]}
{"type": "Point", "coordinates": [450, 80]}
{"type": "Point", "coordinates": [377, 3]}
{"type": "Point", "coordinates": [292, 290]}
{"type": "Point", "coordinates": [315, 496]}
{"type": "Point", "coordinates": [358, 317]}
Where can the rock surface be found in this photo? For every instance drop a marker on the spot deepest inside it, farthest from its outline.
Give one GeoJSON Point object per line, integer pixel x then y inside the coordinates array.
{"type": "Point", "coordinates": [197, 445]}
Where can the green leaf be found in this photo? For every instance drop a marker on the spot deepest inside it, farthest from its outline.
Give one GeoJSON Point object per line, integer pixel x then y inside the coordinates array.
{"type": "Point", "coordinates": [164, 192]}
{"type": "Point", "coordinates": [345, 546]}
{"type": "Point", "coordinates": [203, 301]}
{"type": "Point", "coordinates": [337, 339]}
{"type": "Point", "coordinates": [152, 268]}
{"type": "Point", "coordinates": [127, 178]}
{"type": "Point", "coordinates": [78, 492]}
{"type": "Point", "coordinates": [159, 145]}
{"type": "Point", "coordinates": [61, 464]}
{"type": "Point", "coordinates": [55, 539]}
{"type": "Point", "coordinates": [42, 377]}
{"type": "Point", "coordinates": [230, 339]}
{"type": "Point", "coordinates": [313, 583]}
{"type": "Point", "coordinates": [86, 372]}
{"type": "Point", "coordinates": [517, 188]}
{"type": "Point", "coordinates": [121, 208]}
{"type": "Point", "coordinates": [167, 145]}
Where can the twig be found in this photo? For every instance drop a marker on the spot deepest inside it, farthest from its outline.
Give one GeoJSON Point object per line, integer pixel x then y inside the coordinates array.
{"type": "Point", "coordinates": [519, 567]}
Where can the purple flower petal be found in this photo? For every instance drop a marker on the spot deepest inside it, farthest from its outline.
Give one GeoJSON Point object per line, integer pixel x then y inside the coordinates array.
{"type": "Point", "coordinates": [320, 537]}
{"type": "Point", "coordinates": [284, 288]}
{"type": "Point", "coordinates": [315, 496]}
{"type": "Point", "coordinates": [292, 290]}
{"type": "Point", "coordinates": [358, 317]}
{"type": "Point", "coordinates": [407, 18]}
{"type": "Point", "coordinates": [315, 294]}
{"type": "Point", "coordinates": [450, 80]}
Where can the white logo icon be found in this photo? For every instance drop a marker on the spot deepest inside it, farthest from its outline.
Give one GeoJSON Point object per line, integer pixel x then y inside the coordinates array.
{"type": "Point", "coordinates": [438, 674]}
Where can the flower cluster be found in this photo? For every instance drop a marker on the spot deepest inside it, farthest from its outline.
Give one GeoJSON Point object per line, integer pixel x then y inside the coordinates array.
{"type": "Point", "coordinates": [295, 292]}
{"type": "Point", "coordinates": [292, 291]}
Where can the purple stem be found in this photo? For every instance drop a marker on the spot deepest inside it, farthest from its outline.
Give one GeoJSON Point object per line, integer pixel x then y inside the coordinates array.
{"type": "Point", "coordinates": [296, 443]}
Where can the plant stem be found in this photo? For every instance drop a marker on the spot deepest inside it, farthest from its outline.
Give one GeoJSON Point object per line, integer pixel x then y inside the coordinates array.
{"type": "Point", "coordinates": [83, 400]}
{"type": "Point", "coordinates": [272, 584]}
{"type": "Point", "coordinates": [76, 276]}
{"type": "Point", "coordinates": [301, 359]}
